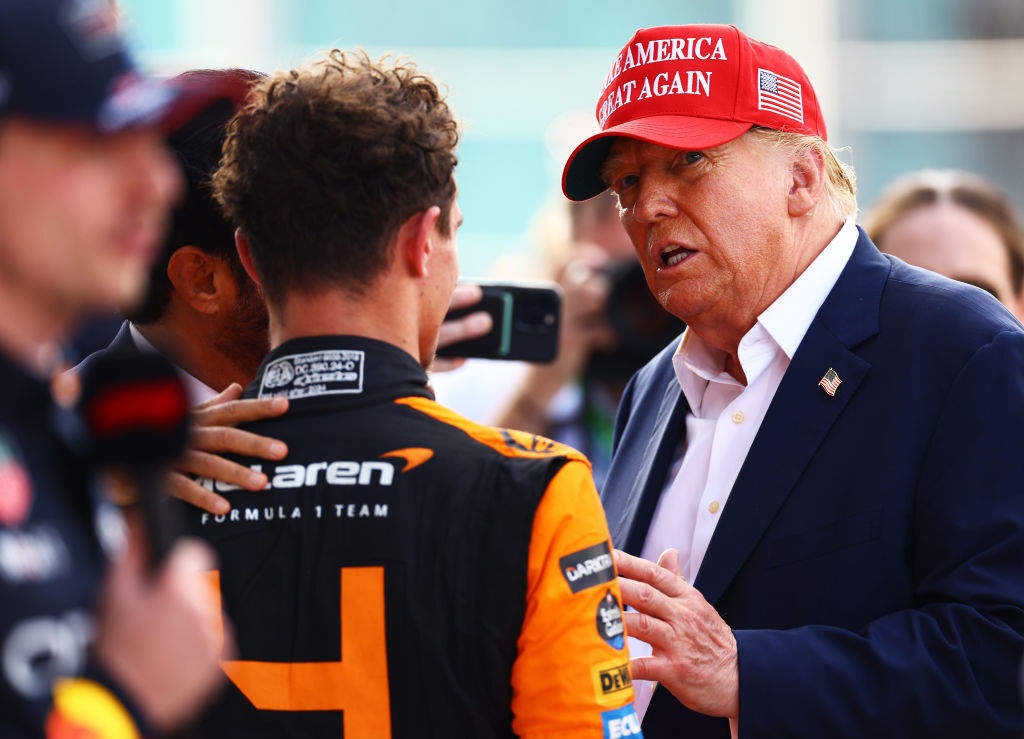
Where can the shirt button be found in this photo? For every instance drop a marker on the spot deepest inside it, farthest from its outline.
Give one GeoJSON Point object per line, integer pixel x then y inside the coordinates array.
{"type": "Point", "coordinates": [738, 417]}
{"type": "Point", "coordinates": [713, 508]}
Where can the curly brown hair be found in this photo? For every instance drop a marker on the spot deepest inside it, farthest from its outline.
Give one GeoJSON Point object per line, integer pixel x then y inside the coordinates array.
{"type": "Point", "coordinates": [325, 162]}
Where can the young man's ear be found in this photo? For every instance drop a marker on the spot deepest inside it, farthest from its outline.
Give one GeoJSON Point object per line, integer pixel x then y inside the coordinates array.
{"type": "Point", "coordinates": [413, 241]}
{"type": "Point", "coordinates": [194, 275]}
{"type": "Point", "coordinates": [808, 183]}
{"type": "Point", "coordinates": [245, 256]}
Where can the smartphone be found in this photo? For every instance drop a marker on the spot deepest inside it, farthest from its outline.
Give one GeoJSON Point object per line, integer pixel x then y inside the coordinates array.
{"type": "Point", "coordinates": [525, 323]}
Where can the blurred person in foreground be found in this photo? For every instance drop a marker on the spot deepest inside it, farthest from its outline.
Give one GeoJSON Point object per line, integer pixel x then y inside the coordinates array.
{"type": "Point", "coordinates": [203, 312]}
{"type": "Point", "coordinates": [817, 486]}
{"type": "Point", "coordinates": [957, 224]}
{"type": "Point", "coordinates": [85, 186]}
{"type": "Point", "coordinates": [200, 308]}
{"type": "Point", "coordinates": [406, 572]}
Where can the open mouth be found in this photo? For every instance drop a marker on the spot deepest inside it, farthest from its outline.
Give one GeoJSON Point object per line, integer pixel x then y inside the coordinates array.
{"type": "Point", "coordinates": [674, 255]}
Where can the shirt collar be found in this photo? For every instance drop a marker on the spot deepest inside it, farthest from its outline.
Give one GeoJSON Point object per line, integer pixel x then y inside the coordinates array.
{"type": "Point", "coordinates": [198, 391]}
{"type": "Point", "coordinates": [781, 326]}
{"type": "Point", "coordinates": [789, 317]}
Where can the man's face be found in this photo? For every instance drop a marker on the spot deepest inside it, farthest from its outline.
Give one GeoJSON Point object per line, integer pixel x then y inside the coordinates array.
{"type": "Point", "coordinates": [707, 226]}
{"type": "Point", "coordinates": [81, 214]}
{"type": "Point", "coordinates": [951, 240]}
{"type": "Point", "coordinates": [243, 331]}
{"type": "Point", "coordinates": [443, 273]}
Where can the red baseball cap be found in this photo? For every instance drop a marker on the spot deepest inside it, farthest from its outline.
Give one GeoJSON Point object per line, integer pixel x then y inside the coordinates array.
{"type": "Point", "coordinates": [692, 87]}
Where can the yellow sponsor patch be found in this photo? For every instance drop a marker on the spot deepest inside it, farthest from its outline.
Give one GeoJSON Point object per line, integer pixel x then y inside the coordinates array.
{"type": "Point", "coordinates": [613, 684]}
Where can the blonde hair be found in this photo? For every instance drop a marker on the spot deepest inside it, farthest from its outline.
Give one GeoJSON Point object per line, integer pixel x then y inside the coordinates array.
{"type": "Point", "coordinates": [840, 179]}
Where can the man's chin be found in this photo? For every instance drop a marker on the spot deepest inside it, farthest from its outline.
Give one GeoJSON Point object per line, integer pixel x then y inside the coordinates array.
{"type": "Point", "coordinates": [126, 294]}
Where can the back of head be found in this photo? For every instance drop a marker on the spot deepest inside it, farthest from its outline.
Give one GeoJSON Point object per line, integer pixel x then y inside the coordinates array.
{"type": "Point", "coordinates": [197, 220]}
{"type": "Point", "coordinates": [325, 162]}
{"type": "Point", "coordinates": [966, 190]}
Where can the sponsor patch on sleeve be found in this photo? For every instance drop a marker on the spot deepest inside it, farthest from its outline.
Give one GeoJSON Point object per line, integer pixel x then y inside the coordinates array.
{"type": "Point", "coordinates": [621, 722]}
{"type": "Point", "coordinates": [609, 620]}
{"type": "Point", "coordinates": [588, 567]}
{"type": "Point", "coordinates": [612, 681]}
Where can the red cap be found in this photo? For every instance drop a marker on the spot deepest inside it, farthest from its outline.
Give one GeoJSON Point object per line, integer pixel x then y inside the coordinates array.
{"type": "Point", "coordinates": [693, 87]}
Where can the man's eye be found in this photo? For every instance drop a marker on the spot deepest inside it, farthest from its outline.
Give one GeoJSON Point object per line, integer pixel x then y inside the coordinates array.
{"type": "Point", "coordinates": [691, 157]}
{"type": "Point", "coordinates": [626, 181]}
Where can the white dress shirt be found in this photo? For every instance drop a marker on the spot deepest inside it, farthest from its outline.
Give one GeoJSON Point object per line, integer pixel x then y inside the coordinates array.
{"type": "Point", "coordinates": [724, 418]}
{"type": "Point", "coordinates": [198, 391]}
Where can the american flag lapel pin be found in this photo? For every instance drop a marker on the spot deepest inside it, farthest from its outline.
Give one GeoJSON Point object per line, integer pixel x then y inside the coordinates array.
{"type": "Point", "coordinates": [830, 382]}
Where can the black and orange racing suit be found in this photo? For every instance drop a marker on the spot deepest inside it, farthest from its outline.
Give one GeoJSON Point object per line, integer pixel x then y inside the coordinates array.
{"type": "Point", "coordinates": [409, 573]}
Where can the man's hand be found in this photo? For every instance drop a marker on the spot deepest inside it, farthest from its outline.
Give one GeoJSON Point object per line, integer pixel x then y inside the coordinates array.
{"type": "Point", "coordinates": [468, 327]}
{"type": "Point", "coordinates": [215, 432]}
{"type": "Point", "coordinates": [157, 634]}
{"type": "Point", "coordinates": [695, 654]}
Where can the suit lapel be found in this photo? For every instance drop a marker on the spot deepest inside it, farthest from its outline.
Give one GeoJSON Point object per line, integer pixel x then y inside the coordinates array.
{"type": "Point", "coordinates": [630, 515]}
{"type": "Point", "coordinates": [799, 417]}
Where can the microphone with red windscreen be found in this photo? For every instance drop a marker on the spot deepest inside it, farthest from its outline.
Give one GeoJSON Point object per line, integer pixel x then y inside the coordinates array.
{"type": "Point", "coordinates": [136, 410]}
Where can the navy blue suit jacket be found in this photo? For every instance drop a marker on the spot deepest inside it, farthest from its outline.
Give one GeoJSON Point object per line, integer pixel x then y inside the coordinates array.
{"type": "Point", "coordinates": [121, 345]}
{"type": "Point", "coordinates": [870, 558]}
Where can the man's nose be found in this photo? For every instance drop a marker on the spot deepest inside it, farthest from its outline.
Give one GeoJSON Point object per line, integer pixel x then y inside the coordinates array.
{"type": "Point", "coordinates": [656, 198]}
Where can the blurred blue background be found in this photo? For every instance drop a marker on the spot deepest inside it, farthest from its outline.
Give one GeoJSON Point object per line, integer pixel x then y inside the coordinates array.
{"type": "Point", "coordinates": [906, 85]}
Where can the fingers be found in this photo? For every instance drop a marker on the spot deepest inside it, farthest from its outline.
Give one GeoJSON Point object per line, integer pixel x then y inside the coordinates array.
{"type": "Point", "coordinates": [201, 464]}
{"type": "Point", "coordinates": [188, 490]}
{"type": "Point", "coordinates": [468, 327]}
{"type": "Point", "coordinates": [231, 392]}
{"type": "Point", "coordinates": [234, 412]}
{"type": "Point", "coordinates": [650, 600]}
{"type": "Point", "coordinates": [446, 364]}
{"type": "Point", "coordinates": [647, 668]}
{"type": "Point", "coordinates": [669, 559]}
{"type": "Point", "coordinates": [653, 630]}
{"type": "Point", "coordinates": [236, 441]}
{"type": "Point", "coordinates": [465, 295]}
{"type": "Point", "coordinates": [646, 572]}
{"type": "Point", "coordinates": [189, 557]}
{"type": "Point", "coordinates": [130, 562]}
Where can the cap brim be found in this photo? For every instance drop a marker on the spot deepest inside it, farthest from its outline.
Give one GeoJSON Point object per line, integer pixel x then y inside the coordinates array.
{"type": "Point", "coordinates": [581, 178]}
{"type": "Point", "coordinates": [165, 104]}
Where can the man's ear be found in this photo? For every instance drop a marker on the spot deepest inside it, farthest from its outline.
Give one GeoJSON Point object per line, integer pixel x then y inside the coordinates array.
{"type": "Point", "coordinates": [414, 240]}
{"type": "Point", "coordinates": [245, 256]}
{"type": "Point", "coordinates": [808, 182]}
{"type": "Point", "coordinates": [194, 275]}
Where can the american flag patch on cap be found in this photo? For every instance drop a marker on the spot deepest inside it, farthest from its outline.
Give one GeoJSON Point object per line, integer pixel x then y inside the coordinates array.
{"type": "Point", "coordinates": [779, 94]}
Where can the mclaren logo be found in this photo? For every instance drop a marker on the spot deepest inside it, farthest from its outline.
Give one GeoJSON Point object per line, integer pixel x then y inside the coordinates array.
{"type": "Point", "coordinates": [528, 442]}
{"type": "Point", "coordinates": [380, 472]}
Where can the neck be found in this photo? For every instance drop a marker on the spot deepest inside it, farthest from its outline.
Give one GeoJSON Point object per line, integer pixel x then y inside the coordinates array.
{"type": "Point", "coordinates": [388, 315]}
{"type": "Point", "coordinates": [202, 351]}
{"type": "Point", "coordinates": [31, 329]}
{"type": "Point", "coordinates": [805, 239]}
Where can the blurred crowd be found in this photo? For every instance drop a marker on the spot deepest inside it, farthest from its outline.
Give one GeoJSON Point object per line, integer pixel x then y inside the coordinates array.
{"type": "Point", "coordinates": [205, 214]}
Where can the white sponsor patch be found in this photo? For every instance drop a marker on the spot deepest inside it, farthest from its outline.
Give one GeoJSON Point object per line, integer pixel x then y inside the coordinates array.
{"type": "Point", "coordinates": [32, 555]}
{"type": "Point", "coordinates": [327, 372]}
